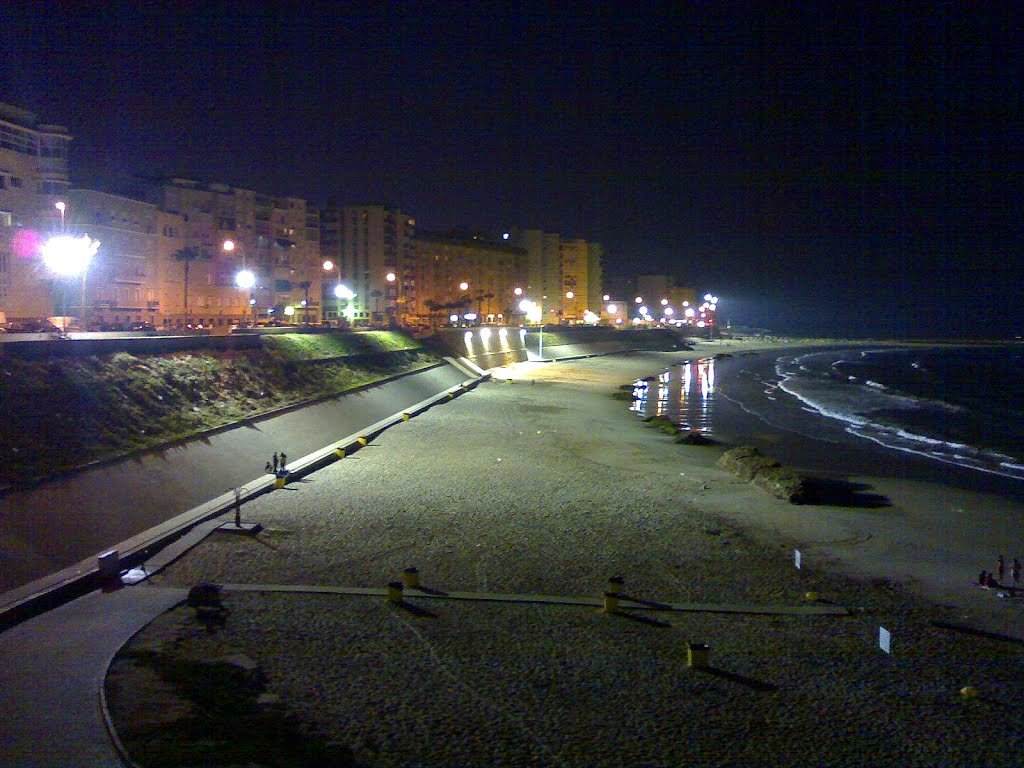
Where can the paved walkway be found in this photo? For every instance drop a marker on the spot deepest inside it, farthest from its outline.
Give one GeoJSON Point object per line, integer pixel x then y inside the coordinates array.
{"type": "Point", "coordinates": [51, 672]}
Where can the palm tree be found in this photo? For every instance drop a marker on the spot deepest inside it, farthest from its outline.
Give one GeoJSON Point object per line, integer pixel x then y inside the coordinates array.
{"type": "Point", "coordinates": [186, 256]}
{"type": "Point", "coordinates": [305, 286]}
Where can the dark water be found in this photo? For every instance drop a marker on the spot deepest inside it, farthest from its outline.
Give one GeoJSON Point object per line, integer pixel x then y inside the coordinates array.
{"type": "Point", "coordinates": [945, 413]}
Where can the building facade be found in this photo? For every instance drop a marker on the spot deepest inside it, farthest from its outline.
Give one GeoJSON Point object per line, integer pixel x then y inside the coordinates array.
{"type": "Point", "coordinates": [33, 178]}
{"type": "Point", "coordinates": [464, 274]}
{"type": "Point", "coordinates": [372, 252]}
{"type": "Point", "coordinates": [228, 229]}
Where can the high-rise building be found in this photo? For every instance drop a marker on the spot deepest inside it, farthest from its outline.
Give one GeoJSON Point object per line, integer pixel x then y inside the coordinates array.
{"type": "Point", "coordinates": [33, 177]}
{"type": "Point", "coordinates": [371, 249]}
{"type": "Point", "coordinates": [564, 275]}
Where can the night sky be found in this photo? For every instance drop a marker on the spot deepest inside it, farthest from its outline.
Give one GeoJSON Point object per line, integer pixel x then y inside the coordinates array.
{"type": "Point", "coordinates": [825, 171]}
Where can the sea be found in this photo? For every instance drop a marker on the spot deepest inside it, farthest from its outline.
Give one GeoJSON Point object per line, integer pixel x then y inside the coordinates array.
{"type": "Point", "coordinates": [951, 406]}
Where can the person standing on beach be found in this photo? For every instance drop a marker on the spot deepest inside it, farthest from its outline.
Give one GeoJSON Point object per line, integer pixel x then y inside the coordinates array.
{"type": "Point", "coordinates": [284, 459]}
{"type": "Point", "coordinates": [275, 461]}
{"type": "Point", "coordinates": [1015, 571]}
{"type": "Point", "coordinates": [1000, 569]}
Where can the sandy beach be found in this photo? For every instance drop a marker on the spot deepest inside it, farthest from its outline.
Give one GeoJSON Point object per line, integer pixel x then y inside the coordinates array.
{"type": "Point", "coordinates": [539, 483]}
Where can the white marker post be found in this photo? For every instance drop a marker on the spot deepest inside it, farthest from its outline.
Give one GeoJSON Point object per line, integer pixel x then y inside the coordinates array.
{"type": "Point", "coordinates": [885, 640]}
{"type": "Point", "coordinates": [796, 558]}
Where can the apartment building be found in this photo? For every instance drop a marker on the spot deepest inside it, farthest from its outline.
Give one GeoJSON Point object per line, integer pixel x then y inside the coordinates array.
{"type": "Point", "coordinates": [33, 177]}
{"type": "Point", "coordinates": [462, 273]}
{"type": "Point", "coordinates": [227, 229]}
{"type": "Point", "coordinates": [133, 277]}
{"type": "Point", "coordinates": [372, 252]}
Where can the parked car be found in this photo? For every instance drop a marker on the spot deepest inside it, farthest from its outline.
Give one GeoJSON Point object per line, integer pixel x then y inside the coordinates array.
{"type": "Point", "coordinates": [32, 326]}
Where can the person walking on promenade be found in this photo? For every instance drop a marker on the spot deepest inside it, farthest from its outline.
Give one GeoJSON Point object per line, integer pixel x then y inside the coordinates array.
{"type": "Point", "coordinates": [1000, 569]}
{"type": "Point", "coordinates": [284, 459]}
{"type": "Point", "coordinates": [275, 461]}
{"type": "Point", "coordinates": [1015, 571]}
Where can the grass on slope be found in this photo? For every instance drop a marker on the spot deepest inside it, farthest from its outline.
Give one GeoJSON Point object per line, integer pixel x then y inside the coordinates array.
{"type": "Point", "coordinates": [65, 412]}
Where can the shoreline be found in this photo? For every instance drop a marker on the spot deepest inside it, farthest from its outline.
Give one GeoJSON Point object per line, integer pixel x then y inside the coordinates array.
{"type": "Point", "coordinates": [546, 485]}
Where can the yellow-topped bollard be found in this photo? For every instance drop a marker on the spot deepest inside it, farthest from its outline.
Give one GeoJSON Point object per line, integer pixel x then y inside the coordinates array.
{"type": "Point", "coordinates": [339, 452]}
{"type": "Point", "coordinates": [969, 692]}
{"type": "Point", "coordinates": [362, 440]}
{"type": "Point", "coordinates": [811, 597]}
{"type": "Point", "coordinates": [697, 655]}
{"type": "Point", "coordinates": [411, 578]}
{"type": "Point", "coordinates": [406, 417]}
{"type": "Point", "coordinates": [394, 592]}
{"type": "Point", "coordinates": [280, 480]}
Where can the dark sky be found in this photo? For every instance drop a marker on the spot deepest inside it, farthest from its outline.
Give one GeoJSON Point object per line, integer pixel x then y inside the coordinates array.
{"type": "Point", "coordinates": [843, 171]}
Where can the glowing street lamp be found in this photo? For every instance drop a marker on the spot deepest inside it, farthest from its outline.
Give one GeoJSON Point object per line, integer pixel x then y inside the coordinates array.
{"type": "Point", "coordinates": [330, 266]}
{"type": "Point", "coordinates": [68, 256]}
{"type": "Point", "coordinates": [61, 206]}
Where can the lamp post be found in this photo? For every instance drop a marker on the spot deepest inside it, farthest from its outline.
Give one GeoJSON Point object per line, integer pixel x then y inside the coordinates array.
{"type": "Point", "coordinates": [66, 257]}
{"type": "Point", "coordinates": [330, 266]}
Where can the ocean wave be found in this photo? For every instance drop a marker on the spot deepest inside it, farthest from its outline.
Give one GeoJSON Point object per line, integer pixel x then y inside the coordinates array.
{"type": "Point", "coordinates": [873, 411]}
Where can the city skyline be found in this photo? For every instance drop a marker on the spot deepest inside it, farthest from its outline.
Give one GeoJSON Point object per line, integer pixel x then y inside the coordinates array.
{"type": "Point", "coordinates": [823, 173]}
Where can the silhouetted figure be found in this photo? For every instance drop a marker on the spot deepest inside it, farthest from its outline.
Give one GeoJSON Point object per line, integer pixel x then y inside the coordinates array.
{"type": "Point", "coordinates": [268, 468]}
{"type": "Point", "coordinates": [1015, 571]}
{"type": "Point", "coordinates": [991, 582]}
{"type": "Point", "coordinates": [1000, 568]}
{"type": "Point", "coordinates": [284, 459]}
{"type": "Point", "coordinates": [275, 461]}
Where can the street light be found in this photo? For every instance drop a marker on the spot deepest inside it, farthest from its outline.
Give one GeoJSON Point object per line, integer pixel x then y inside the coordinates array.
{"type": "Point", "coordinates": [68, 256]}
{"type": "Point", "coordinates": [61, 206]}
{"type": "Point", "coordinates": [330, 266]}
{"type": "Point", "coordinates": [344, 292]}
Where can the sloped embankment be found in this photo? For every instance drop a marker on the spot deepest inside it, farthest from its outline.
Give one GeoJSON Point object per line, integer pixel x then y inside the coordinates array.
{"type": "Point", "coordinates": [63, 412]}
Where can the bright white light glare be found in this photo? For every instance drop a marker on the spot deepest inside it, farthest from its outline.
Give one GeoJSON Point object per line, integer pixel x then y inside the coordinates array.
{"type": "Point", "coordinates": [503, 333]}
{"type": "Point", "coordinates": [349, 311]}
{"type": "Point", "coordinates": [664, 302]}
{"type": "Point", "coordinates": [643, 311]}
{"type": "Point", "coordinates": [60, 206]}
{"type": "Point", "coordinates": [485, 334]}
{"type": "Point", "coordinates": [606, 297]}
{"type": "Point", "coordinates": [713, 307]}
{"type": "Point", "coordinates": [463, 286]}
{"type": "Point", "coordinates": [343, 291]}
{"type": "Point", "coordinates": [639, 299]}
{"type": "Point", "coordinates": [590, 317]}
{"type": "Point", "coordinates": [468, 336]}
{"type": "Point", "coordinates": [252, 302]}
{"type": "Point", "coordinates": [522, 333]}
{"type": "Point", "coordinates": [700, 323]}
{"type": "Point", "coordinates": [229, 245]}
{"type": "Point", "coordinates": [289, 310]}
{"type": "Point", "coordinates": [470, 315]}
{"type": "Point", "coordinates": [66, 255]}
{"type": "Point", "coordinates": [504, 235]}
{"type": "Point", "coordinates": [669, 311]}
{"type": "Point", "coordinates": [612, 309]}
{"type": "Point", "coordinates": [328, 265]}
{"type": "Point", "coordinates": [689, 312]}
{"type": "Point", "coordinates": [390, 277]}
{"type": "Point", "coordinates": [453, 318]}
{"type": "Point", "coordinates": [569, 294]}
{"type": "Point", "coordinates": [707, 297]}
{"type": "Point", "coordinates": [518, 291]}
{"type": "Point", "coordinates": [245, 279]}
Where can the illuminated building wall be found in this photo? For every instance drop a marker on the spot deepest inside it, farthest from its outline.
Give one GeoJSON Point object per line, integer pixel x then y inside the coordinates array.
{"type": "Point", "coordinates": [369, 242]}
{"type": "Point", "coordinates": [490, 269]}
{"type": "Point", "coordinates": [33, 176]}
